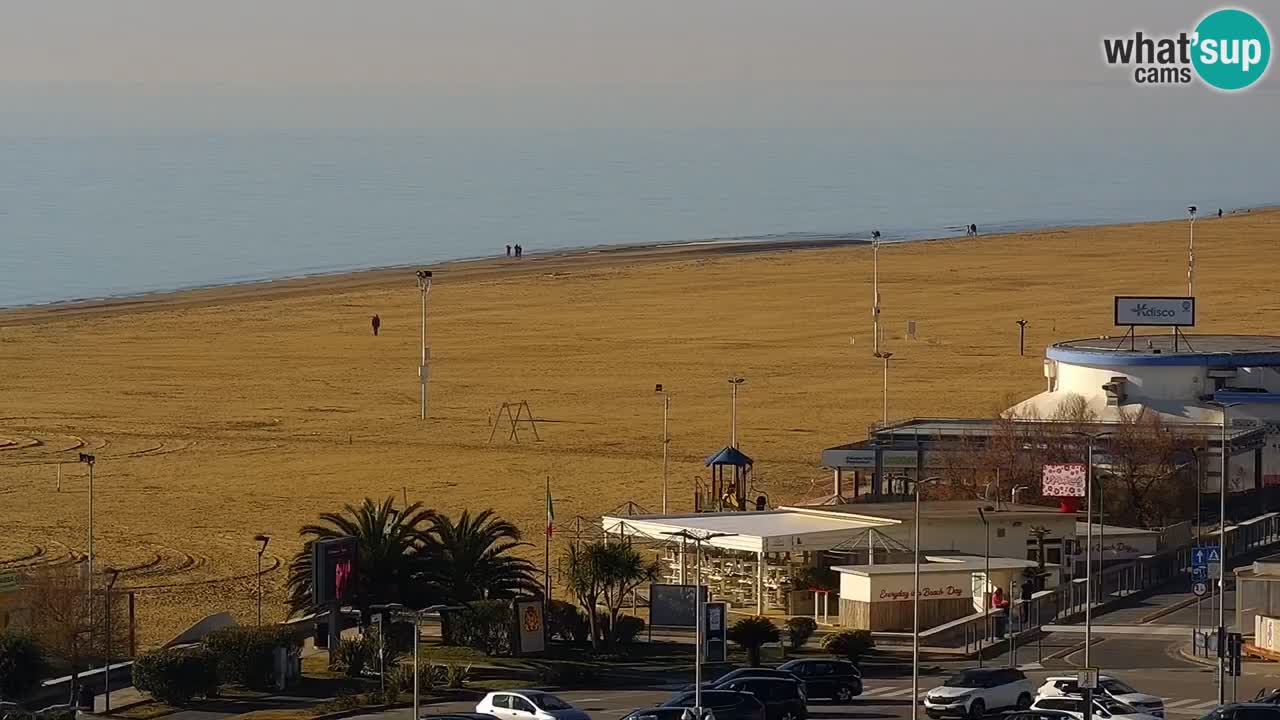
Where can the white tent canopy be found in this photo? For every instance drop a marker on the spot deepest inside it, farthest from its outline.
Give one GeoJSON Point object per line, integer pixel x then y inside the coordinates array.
{"type": "Point", "coordinates": [791, 530]}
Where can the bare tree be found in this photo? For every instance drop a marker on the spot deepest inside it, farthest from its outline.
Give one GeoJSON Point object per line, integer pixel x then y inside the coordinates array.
{"type": "Point", "coordinates": [68, 625]}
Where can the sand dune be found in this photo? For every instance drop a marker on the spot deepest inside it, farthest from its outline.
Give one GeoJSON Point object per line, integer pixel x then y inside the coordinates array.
{"type": "Point", "coordinates": [218, 414]}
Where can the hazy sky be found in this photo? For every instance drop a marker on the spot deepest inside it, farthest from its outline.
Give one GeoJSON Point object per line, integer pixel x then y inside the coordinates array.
{"type": "Point", "coordinates": [571, 62]}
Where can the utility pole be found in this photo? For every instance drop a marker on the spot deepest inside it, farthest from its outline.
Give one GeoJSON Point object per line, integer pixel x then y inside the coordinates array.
{"type": "Point", "coordinates": [1022, 337]}
{"type": "Point", "coordinates": [884, 416]}
{"type": "Point", "coordinates": [424, 287]}
{"type": "Point", "coordinates": [112, 575]}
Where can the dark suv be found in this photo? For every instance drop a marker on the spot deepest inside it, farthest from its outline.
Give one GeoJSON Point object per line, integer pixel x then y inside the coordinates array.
{"type": "Point", "coordinates": [725, 705]}
{"type": "Point", "coordinates": [783, 698]}
{"type": "Point", "coordinates": [838, 680]}
{"type": "Point", "coordinates": [1244, 711]}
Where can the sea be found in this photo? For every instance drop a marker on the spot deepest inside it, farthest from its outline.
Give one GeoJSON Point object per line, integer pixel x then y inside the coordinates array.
{"type": "Point", "coordinates": [93, 216]}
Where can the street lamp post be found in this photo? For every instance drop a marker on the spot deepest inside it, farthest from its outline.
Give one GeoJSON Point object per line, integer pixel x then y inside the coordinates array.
{"type": "Point", "coordinates": [986, 582]}
{"type": "Point", "coordinates": [90, 460]}
{"type": "Point", "coordinates": [1191, 252]}
{"type": "Point", "coordinates": [112, 575]}
{"type": "Point", "coordinates": [265, 540]}
{"type": "Point", "coordinates": [424, 287]}
{"type": "Point", "coordinates": [1222, 549]}
{"type": "Point", "coordinates": [915, 605]}
{"type": "Point", "coordinates": [884, 416]}
{"type": "Point", "coordinates": [666, 440]}
{"type": "Point", "coordinates": [697, 539]}
{"type": "Point", "coordinates": [1088, 546]}
{"type": "Point", "coordinates": [1022, 336]}
{"type": "Point", "coordinates": [734, 382]}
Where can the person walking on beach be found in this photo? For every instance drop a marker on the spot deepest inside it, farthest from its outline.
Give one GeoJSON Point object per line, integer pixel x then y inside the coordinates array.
{"type": "Point", "coordinates": [1219, 213]}
{"type": "Point", "coordinates": [376, 322]}
{"type": "Point", "coordinates": [508, 249]}
{"type": "Point", "coordinates": [519, 250]}
{"type": "Point", "coordinates": [973, 230]}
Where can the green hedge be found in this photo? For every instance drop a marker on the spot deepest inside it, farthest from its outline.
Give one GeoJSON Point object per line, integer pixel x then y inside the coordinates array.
{"type": "Point", "coordinates": [22, 665]}
{"type": "Point", "coordinates": [175, 676]}
{"type": "Point", "coordinates": [246, 655]}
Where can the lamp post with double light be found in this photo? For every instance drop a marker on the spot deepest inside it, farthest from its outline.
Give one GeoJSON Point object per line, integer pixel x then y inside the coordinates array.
{"type": "Point", "coordinates": [915, 603]}
{"type": "Point", "coordinates": [698, 539]}
{"type": "Point", "coordinates": [1222, 546]}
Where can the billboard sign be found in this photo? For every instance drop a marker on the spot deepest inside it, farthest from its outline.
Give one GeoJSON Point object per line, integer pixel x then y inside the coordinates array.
{"type": "Point", "coordinates": [860, 458]}
{"type": "Point", "coordinates": [1064, 480]}
{"type": "Point", "coordinates": [1155, 310]}
{"type": "Point", "coordinates": [333, 570]}
{"type": "Point", "coordinates": [673, 605]}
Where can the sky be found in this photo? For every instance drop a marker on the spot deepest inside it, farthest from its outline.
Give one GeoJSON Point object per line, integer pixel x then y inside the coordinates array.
{"type": "Point", "coordinates": [571, 63]}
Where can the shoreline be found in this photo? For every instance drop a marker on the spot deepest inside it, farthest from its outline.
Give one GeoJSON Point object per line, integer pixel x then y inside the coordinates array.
{"type": "Point", "coordinates": [488, 267]}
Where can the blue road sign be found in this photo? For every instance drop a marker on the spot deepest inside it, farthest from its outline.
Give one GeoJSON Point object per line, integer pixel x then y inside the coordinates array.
{"type": "Point", "coordinates": [1205, 554]}
{"type": "Point", "coordinates": [1199, 573]}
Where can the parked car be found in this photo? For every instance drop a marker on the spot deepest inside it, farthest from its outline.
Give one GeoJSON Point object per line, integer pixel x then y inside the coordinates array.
{"type": "Point", "coordinates": [456, 716]}
{"type": "Point", "coordinates": [746, 672]}
{"type": "Point", "coordinates": [783, 698]}
{"type": "Point", "coordinates": [725, 704]}
{"type": "Point", "coordinates": [1104, 708]}
{"type": "Point", "coordinates": [838, 680]}
{"type": "Point", "coordinates": [1244, 711]}
{"type": "Point", "coordinates": [528, 705]}
{"type": "Point", "coordinates": [1107, 686]}
{"type": "Point", "coordinates": [1037, 715]}
{"type": "Point", "coordinates": [973, 693]}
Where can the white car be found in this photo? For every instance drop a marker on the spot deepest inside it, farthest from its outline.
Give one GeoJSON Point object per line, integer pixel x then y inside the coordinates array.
{"type": "Point", "coordinates": [1107, 686]}
{"type": "Point", "coordinates": [528, 705]}
{"type": "Point", "coordinates": [974, 693]}
{"type": "Point", "coordinates": [1104, 708]}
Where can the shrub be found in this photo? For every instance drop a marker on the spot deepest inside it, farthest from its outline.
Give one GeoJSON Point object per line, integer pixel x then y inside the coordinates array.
{"type": "Point", "coordinates": [851, 644]}
{"type": "Point", "coordinates": [567, 622]}
{"type": "Point", "coordinates": [753, 632]}
{"type": "Point", "coordinates": [456, 675]}
{"type": "Point", "coordinates": [55, 712]}
{"type": "Point", "coordinates": [799, 630]}
{"type": "Point", "coordinates": [246, 655]}
{"type": "Point", "coordinates": [486, 626]}
{"type": "Point", "coordinates": [629, 628]}
{"type": "Point", "coordinates": [429, 676]}
{"type": "Point", "coordinates": [176, 676]}
{"type": "Point", "coordinates": [13, 713]}
{"type": "Point", "coordinates": [352, 656]}
{"type": "Point", "coordinates": [22, 664]}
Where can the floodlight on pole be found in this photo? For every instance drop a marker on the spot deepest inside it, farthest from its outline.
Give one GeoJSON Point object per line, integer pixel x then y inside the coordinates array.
{"type": "Point", "coordinates": [875, 292]}
{"type": "Point", "coordinates": [1191, 252]}
{"type": "Point", "coordinates": [424, 287]}
{"type": "Point", "coordinates": [915, 602]}
{"type": "Point", "coordinates": [698, 539]}
{"type": "Point", "coordinates": [734, 382]}
{"type": "Point", "coordinates": [666, 439]}
{"type": "Point", "coordinates": [265, 540]}
{"type": "Point", "coordinates": [1222, 548]}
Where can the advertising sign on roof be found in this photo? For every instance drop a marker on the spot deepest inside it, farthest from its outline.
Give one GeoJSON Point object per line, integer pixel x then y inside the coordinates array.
{"type": "Point", "coordinates": [1155, 310]}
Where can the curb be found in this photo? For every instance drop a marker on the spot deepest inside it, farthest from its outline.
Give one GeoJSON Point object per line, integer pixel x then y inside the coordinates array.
{"type": "Point", "coordinates": [1182, 652]}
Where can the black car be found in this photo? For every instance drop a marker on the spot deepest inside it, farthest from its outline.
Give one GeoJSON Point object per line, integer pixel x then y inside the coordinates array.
{"type": "Point", "coordinates": [726, 705]}
{"type": "Point", "coordinates": [1244, 711]}
{"type": "Point", "coordinates": [783, 698]}
{"type": "Point", "coordinates": [747, 672]}
{"type": "Point", "coordinates": [838, 680]}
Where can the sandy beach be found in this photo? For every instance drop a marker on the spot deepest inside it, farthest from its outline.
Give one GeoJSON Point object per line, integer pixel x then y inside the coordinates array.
{"type": "Point", "coordinates": [220, 413]}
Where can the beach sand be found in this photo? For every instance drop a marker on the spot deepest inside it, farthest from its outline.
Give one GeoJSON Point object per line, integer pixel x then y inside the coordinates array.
{"type": "Point", "coordinates": [218, 414]}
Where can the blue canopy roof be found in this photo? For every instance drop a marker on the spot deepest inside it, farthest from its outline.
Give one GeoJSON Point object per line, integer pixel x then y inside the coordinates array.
{"type": "Point", "coordinates": [729, 456]}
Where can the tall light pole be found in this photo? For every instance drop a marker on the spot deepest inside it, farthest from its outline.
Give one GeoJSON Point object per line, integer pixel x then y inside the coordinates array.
{"type": "Point", "coordinates": [986, 582]}
{"type": "Point", "coordinates": [1191, 253]}
{"type": "Point", "coordinates": [698, 539]}
{"type": "Point", "coordinates": [424, 287]}
{"type": "Point", "coordinates": [875, 291]}
{"type": "Point", "coordinates": [915, 605]}
{"type": "Point", "coordinates": [90, 460]}
{"type": "Point", "coordinates": [1222, 550]}
{"type": "Point", "coordinates": [884, 416]}
{"type": "Point", "coordinates": [734, 382]}
{"type": "Point", "coordinates": [265, 540]}
{"type": "Point", "coordinates": [1088, 546]}
{"type": "Point", "coordinates": [112, 575]}
{"type": "Point", "coordinates": [666, 439]}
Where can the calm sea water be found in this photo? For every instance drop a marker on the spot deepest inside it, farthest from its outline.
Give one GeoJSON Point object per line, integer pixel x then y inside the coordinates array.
{"type": "Point", "coordinates": [85, 217]}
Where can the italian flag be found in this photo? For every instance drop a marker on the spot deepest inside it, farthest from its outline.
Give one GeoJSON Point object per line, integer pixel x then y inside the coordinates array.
{"type": "Point", "coordinates": [551, 512]}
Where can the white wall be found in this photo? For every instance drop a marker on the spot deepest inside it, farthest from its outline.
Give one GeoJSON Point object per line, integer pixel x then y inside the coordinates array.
{"type": "Point", "coordinates": [968, 535]}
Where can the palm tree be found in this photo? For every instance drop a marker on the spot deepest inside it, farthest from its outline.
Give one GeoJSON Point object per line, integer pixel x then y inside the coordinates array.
{"type": "Point", "coordinates": [606, 571]}
{"type": "Point", "coordinates": [391, 562]}
{"type": "Point", "coordinates": [752, 633]}
{"type": "Point", "coordinates": [473, 559]}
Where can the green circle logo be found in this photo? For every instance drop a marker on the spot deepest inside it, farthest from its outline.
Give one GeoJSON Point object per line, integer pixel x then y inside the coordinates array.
{"type": "Point", "coordinates": [1232, 49]}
